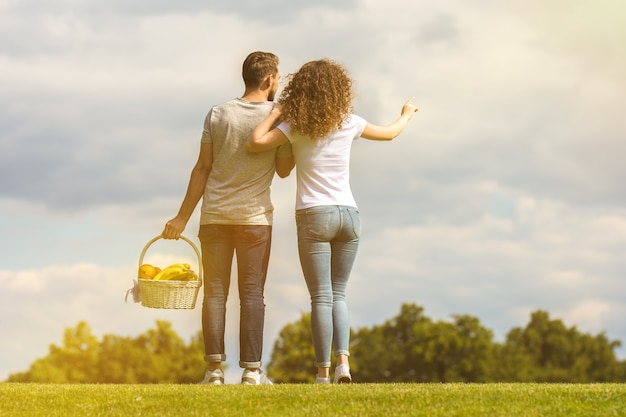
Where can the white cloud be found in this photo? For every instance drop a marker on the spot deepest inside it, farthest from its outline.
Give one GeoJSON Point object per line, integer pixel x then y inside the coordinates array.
{"type": "Point", "coordinates": [22, 281]}
{"type": "Point", "coordinates": [591, 315]}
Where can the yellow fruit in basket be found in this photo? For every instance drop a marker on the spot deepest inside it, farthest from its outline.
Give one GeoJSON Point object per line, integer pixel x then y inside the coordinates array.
{"type": "Point", "coordinates": [187, 275]}
{"type": "Point", "coordinates": [171, 271]}
{"type": "Point", "coordinates": [147, 271]}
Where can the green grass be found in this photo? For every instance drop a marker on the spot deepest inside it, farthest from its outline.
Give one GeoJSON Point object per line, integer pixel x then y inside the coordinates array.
{"type": "Point", "coordinates": [528, 400]}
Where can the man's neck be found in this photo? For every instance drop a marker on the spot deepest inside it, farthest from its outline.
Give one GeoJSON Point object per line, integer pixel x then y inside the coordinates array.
{"type": "Point", "coordinates": [255, 96]}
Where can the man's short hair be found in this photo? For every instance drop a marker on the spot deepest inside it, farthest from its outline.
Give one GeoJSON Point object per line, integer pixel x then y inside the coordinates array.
{"type": "Point", "coordinates": [257, 66]}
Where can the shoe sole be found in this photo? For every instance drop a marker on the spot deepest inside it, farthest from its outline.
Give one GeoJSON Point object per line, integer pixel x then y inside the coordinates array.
{"type": "Point", "coordinates": [249, 381]}
{"type": "Point", "coordinates": [214, 382]}
{"type": "Point", "coordinates": [258, 379]}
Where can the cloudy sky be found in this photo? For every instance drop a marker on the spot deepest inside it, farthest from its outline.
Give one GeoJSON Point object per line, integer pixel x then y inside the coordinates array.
{"type": "Point", "coordinates": [504, 195]}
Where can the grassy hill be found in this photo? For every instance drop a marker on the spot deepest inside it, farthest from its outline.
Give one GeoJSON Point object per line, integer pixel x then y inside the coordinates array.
{"type": "Point", "coordinates": [432, 400]}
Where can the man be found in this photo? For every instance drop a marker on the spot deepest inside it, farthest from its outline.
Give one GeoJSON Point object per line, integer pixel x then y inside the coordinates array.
{"type": "Point", "coordinates": [236, 216]}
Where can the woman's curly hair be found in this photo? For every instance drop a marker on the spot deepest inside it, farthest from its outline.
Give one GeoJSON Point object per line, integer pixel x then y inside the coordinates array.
{"type": "Point", "coordinates": [318, 98]}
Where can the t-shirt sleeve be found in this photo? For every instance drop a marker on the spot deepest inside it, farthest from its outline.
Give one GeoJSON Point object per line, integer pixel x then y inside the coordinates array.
{"type": "Point", "coordinates": [286, 129]}
{"type": "Point", "coordinates": [206, 130]}
{"type": "Point", "coordinates": [359, 125]}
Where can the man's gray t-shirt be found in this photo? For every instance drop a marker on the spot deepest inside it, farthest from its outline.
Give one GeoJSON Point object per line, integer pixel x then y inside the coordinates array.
{"type": "Point", "coordinates": [238, 188]}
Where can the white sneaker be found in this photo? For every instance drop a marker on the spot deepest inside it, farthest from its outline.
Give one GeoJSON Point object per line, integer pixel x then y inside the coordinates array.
{"type": "Point", "coordinates": [322, 380]}
{"type": "Point", "coordinates": [342, 374]}
{"type": "Point", "coordinates": [215, 377]}
{"type": "Point", "coordinates": [250, 377]}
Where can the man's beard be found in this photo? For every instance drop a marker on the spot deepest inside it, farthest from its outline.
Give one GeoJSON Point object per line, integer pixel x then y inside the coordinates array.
{"type": "Point", "coordinates": [272, 94]}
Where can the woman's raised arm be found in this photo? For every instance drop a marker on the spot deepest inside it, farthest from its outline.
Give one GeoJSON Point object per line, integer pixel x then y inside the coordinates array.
{"type": "Point", "coordinates": [390, 131]}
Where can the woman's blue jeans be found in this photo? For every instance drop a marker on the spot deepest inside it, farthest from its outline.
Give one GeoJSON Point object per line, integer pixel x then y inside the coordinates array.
{"type": "Point", "coordinates": [252, 245]}
{"type": "Point", "coordinates": [328, 240]}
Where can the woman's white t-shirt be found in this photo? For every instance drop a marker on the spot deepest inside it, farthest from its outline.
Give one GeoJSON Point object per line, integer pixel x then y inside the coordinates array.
{"type": "Point", "coordinates": [323, 165]}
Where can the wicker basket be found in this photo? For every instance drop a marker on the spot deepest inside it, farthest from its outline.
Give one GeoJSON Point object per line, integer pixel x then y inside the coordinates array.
{"type": "Point", "coordinates": [170, 294]}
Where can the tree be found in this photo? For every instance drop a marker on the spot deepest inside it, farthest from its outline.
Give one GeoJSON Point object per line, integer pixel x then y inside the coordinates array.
{"type": "Point", "coordinates": [457, 351]}
{"type": "Point", "coordinates": [75, 361]}
{"type": "Point", "coordinates": [413, 348]}
{"type": "Point", "coordinates": [385, 353]}
{"type": "Point", "coordinates": [157, 356]}
{"type": "Point", "coordinates": [118, 360]}
{"type": "Point", "coordinates": [547, 351]}
{"type": "Point", "coordinates": [293, 357]}
{"type": "Point", "coordinates": [407, 348]}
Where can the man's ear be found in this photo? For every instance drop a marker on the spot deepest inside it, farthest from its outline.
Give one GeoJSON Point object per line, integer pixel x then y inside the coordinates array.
{"type": "Point", "coordinates": [267, 82]}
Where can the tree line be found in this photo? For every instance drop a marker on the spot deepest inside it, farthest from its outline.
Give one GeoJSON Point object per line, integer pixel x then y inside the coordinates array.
{"type": "Point", "coordinates": [156, 356]}
{"type": "Point", "coordinates": [409, 347]}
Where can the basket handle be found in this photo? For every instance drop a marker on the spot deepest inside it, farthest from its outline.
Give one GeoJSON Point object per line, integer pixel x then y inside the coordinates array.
{"type": "Point", "coordinates": [193, 246]}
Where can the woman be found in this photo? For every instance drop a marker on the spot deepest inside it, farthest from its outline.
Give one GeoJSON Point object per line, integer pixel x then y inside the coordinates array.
{"type": "Point", "coordinates": [315, 114]}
